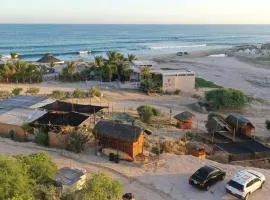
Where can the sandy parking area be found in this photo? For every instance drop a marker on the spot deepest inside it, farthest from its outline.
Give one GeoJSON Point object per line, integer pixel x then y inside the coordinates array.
{"type": "Point", "coordinates": [168, 182]}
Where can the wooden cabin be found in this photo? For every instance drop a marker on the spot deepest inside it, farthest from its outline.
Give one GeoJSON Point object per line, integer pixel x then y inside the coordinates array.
{"type": "Point", "coordinates": [184, 120]}
{"type": "Point", "coordinates": [123, 137]}
{"type": "Point", "coordinates": [240, 124]}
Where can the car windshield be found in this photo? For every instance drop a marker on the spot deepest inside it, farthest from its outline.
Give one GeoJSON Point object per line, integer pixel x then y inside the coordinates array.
{"type": "Point", "coordinates": [201, 174]}
{"type": "Point", "coordinates": [235, 185]}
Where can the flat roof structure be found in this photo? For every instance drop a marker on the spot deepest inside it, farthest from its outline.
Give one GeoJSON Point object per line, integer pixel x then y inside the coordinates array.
{"type": "Point", "coordinates": [173, 72]}
{"type": "Point", "coordinates": [69, 176]}
{"type": "Point", "coordinates": [21, 101]}
{"type": "Point", "coordinates": [20, 116]}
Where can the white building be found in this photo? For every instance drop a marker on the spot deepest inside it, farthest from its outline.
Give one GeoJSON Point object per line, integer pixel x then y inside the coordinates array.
{"type": "Point", "coordinates": [176, 79]}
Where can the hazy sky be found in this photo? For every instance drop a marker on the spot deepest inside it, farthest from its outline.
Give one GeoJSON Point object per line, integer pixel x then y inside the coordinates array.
{"type": "Point", "coordinates": [136, 11]}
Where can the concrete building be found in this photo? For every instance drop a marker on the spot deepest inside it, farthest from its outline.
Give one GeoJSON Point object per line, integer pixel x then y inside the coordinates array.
{"type": "Point", "coordinates": [173, 79]}
{"type": "Point", "coordinates": [176, 79]}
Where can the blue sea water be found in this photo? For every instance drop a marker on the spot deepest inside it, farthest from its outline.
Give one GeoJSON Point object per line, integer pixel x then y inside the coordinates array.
{"type": "Point", "coordinates": [32, 41]}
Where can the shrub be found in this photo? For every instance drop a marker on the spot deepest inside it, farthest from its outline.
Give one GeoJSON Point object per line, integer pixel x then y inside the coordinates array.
{"type": "Point", "coordinates": [58, 94]}
{"type": "Point", "coordinates": [101, 186]}
{"type": "Point", "coordinates": [177, 92]}
{"type": "Point", "coordinates": [78, 93]}
{"type": "Point", "coordinates": [202, 83]}
{"type": "Point", "coordinates": [267, 124]}
{"type": "Point", "coordinates": [76, 141]}
{"type": "Point", "coordinates": [42, 138]}
{"type": "Point", "coordinates": [226, 98]}
{"type": "Point", "coordinates": [4, 94]}
{"type": "Point", "coordinates": [32, 91]}
{"type": "Point", "coordinates": [17, 91]}
{"type": "Point", "coordinates": [146, 113]}
{"type": "Point", "coordinates": [94, 91]}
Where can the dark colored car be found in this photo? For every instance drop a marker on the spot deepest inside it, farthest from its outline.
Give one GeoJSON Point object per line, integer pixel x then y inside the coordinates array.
{"type": "Point", "coordinates": [207, 176]}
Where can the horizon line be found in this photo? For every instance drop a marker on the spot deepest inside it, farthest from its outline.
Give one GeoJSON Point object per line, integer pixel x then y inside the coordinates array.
{"type": "Point", "coordinates": [45, 23]}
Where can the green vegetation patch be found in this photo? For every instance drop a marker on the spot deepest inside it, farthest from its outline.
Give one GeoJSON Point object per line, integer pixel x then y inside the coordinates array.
{"type": "Point", "coordinates": [226, 98]}
{"type": "Point", "coordinates": [202, 83]}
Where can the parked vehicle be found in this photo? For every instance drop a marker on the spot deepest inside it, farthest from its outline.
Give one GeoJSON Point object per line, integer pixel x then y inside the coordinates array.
{"type": "Point", "coordinates": [128, 196]}
{"type": "Point", "coordinates": [244, 183]}
{"type": "Point", "coordinates": [207, 176]}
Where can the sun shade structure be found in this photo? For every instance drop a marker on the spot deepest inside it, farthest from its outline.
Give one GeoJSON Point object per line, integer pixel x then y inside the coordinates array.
{"type": "Point", "coordinates": [123, 137]}
{"type": "Point", "coordinates": [49, 58]}
{"type": "Point", "coordinates": [184, 120]}
{"type": "Point", "coordinates": [61, 106]}
{"type": "Point", "coordinates": [11, 122]}
{"type": "Point", "coordinates": [62, 119]}
{"type": "Point", "coordinates": [24, 102]}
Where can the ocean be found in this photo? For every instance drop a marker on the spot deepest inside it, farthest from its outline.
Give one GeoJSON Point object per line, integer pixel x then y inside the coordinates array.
{"type": "Point", "coordinates": [64, 41]}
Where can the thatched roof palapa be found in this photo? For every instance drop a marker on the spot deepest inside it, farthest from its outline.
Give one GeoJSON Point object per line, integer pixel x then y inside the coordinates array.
{"type": "Point", "coordinates": [112, 129]}
{"type": "Point", "coordinates": [185, 116]}
{"type": "Point", "coordinates": [49, 58]}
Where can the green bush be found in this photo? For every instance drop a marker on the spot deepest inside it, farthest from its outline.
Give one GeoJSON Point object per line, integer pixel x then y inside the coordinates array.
{"type": "Point", "coordinates": [4, 94]}
{"type": "Point", "coordinates": [17, 91]}
{"type": "Point", "coordinates": [226, 98]}
{"type": "Point", "coordinates": [202, 83]}
{"type": "Point", "coordinates": [32, 91]}
{"type": "Point", "coordinates": [94, 92]}
{"type": "Point", "coordinates": [58, 94]}
{"type": "Point", "coordinates": [27, 177]}
{"type": "Point", "coordinates": [78, 93]}
{"type": "Point", "coordinates": [76, 141]}
{"type": "Point", "coordinates": [102, 187]}
{"type": "Point", "coordinates": [267, 124]}
{"type": "Point", "coordinates": [146, 113]}
{"type": "Point", "coordinates": [42, 138]}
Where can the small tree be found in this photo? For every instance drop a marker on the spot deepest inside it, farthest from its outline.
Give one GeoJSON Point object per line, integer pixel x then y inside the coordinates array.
{"type": "Point", "coordinates": [267, 124]}
{"type": "Point", "coordinates": [17, 91]}
{"type": "Point", "coordinates": [102, 187]}
{"type": "Point", "coordinates": [147, 112]}
{"type": "Point", "coordinates": [32, 91]}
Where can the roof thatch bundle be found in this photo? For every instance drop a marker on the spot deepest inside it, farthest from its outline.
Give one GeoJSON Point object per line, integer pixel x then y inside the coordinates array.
{"type": "Point", "coordinates": [212, 125]}
{"type": "Point", "coordinates": [49, 58]}
{"type": "Point", "coordinates": [238, 121]}
{"type": "Point", "coordinates": [185, 116]}
{"type": "Point", "coordinates": [112, 129]}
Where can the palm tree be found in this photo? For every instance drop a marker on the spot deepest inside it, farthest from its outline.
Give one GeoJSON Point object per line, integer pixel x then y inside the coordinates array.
{"type": "Point", "coordinates": [131, 57]}
{"type": "Point", "coordinates": [8, 71]}
{"type": "Point", "coordinates": [99, 61]}
{"type": "Point", "coordinates": [14, 55]}
{"type": "Point", "coordinates": [71, 68]}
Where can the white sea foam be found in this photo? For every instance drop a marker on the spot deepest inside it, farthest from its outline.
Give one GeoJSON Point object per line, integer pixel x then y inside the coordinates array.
{"type": "Point", "coordinates": [218, 55]}
{"type": "Point", "coordinates": [177, 46]}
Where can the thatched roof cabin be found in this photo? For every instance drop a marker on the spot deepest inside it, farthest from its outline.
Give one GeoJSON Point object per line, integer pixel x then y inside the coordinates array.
{"type": "Point", "coordinates": [49, 58]}
{"type": "Point", "coordinates": [240, 124]}
{"type": "Point", "coordinates": [184, 120]}
{"type": "Point", "coordinates": [123, 137]}
{"type": "Point", "coordinates": [184, 116]}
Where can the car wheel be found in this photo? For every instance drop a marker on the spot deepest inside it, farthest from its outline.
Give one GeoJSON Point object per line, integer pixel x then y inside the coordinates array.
{"type": "Point", "coordinates": [261, 185]}
{"type": "Point", "coordinates": [222, 177]}
{"type": "Point", "coordinates": [247, 196]}
{"type": "Point", "coordinates": [207, 187]}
